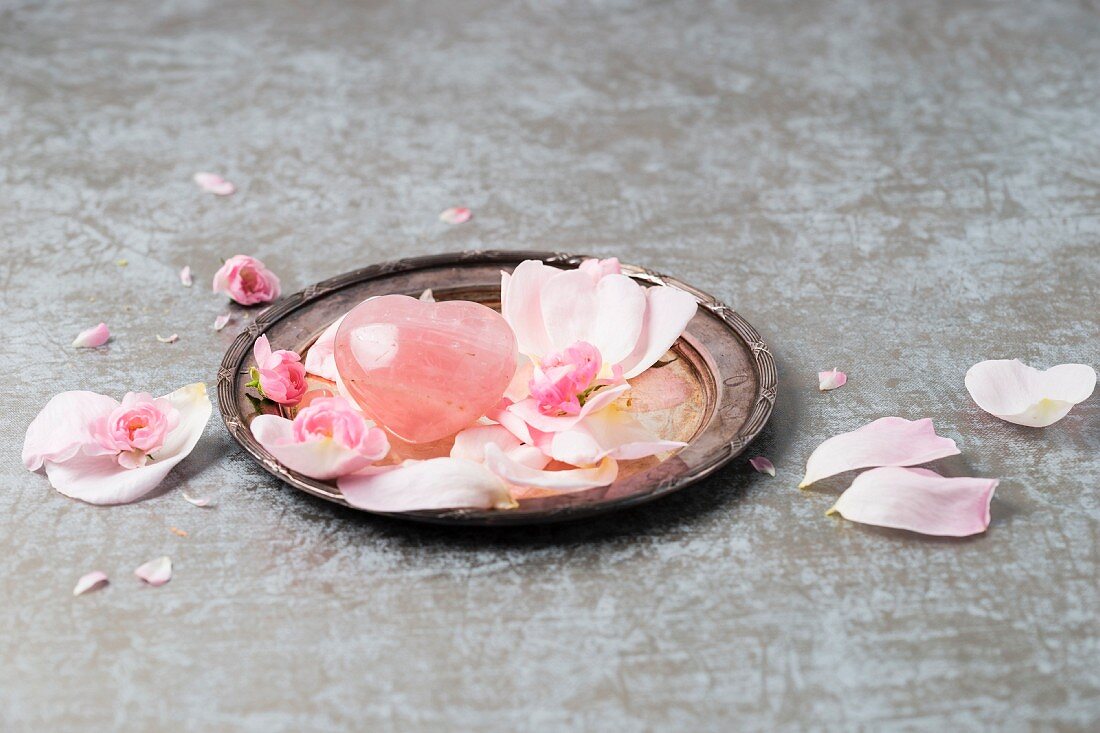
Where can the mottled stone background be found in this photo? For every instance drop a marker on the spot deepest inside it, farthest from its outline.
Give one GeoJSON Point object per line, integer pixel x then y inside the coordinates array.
{"type": "Point", "coordinates": [897, 189]}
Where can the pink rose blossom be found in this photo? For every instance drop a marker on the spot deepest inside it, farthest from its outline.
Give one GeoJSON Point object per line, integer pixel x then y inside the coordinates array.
{"type": "Point", "coordinates": [246, 280]}
{"type": "Point", "coordinates": [334, 418]}
{"type": "Point", "coordinates": [136, 428]}
{"type": "Point", "coordinates": [326, 440]}
{"type": "Point", "coordinates": [278, 375]}
{"type": "Point", "coordinates": [560, 383]}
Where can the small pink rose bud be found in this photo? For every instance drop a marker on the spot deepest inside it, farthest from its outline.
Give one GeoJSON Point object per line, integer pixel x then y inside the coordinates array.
{"type": "Point", "coordinates": [246, 280]}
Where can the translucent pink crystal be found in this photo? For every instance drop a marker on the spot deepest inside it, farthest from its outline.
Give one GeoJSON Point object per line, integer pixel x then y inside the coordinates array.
{"type": "Point", "coordinates": [424, 370]}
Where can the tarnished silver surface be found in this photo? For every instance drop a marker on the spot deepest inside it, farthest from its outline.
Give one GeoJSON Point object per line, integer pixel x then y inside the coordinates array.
{"type": "Point", "coordinates": [896, 189]}
{"type": "Point", "coordinates": [723, 363]}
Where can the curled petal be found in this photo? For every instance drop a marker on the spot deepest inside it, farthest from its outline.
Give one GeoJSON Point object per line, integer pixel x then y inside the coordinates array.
{"type": "Point", "coordinates": [320, 459]}
{"type": "Point", "coordinates": [199, 501]}
{"type": "Point", "coordinates": [888, 441]}
{"type": "Point", "coordinates": [470, 443]}
{"type": "Point", "coordinates": [92, 337]}
{"type": "Point", "coordinates": [918, 500]}
{"type": "Point", "coordinates": [762, 465]}
{"type": "Point", "coordinates": [168, 339]}
{"type": "Point", "coordinates": [320, 359]}
{"type": "Point", "coordinates": [91, 581]}
{"type": "Point", "coordinates": [668, 312]}
{"type": "Point", "coordinates": [455, 215]}
{"type": "Point", "coordinates": [1013, 391]}
{"type": "Point", "coordinates": [221, 321]}
{"type": "Point", "coordinates": [186, 280]}
{"type": "Point", "coordinates": [562, 482]}
{"type": "Point", "coordinates": [155, 572]}
{"type": "Point", "coordinates": [439, 483]}
{"type": "Point", "coordinates": [215, 184]}
{"type": "Point", "coordinates": [99, 479]}
{"type": "Point", "coordinates": [63, 428]}
{"type": "Point", "coordinates": [831, 380]}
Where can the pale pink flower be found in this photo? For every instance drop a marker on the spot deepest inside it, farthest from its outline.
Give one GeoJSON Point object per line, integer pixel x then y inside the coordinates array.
{"type": "Point", "coordinates": [100, 451]}
{"type": "Point", "coordinates": [626, 327]}
{"type": "Point", "coordinates": [136, 428]}
{"type": "Point", "coordinates": [278, 375]}
{"type": "Point", "coordinates": [326, 439]}
{"type": "Point", "coordinates": [246, 280]}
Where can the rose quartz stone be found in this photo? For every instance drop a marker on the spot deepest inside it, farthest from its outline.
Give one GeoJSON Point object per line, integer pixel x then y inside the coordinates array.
{"type": "Point", "coordinates": [424, 371]}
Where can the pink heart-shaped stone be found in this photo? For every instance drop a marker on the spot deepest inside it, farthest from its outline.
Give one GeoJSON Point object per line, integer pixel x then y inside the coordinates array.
{"type": "Point", "coordinates": [421, 370]}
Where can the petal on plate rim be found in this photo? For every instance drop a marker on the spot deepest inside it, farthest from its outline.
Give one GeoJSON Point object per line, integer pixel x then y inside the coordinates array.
{"type": "Point", "coordinates": [323, 459]}
{"type": "Point", "coordinates": [437, 483]}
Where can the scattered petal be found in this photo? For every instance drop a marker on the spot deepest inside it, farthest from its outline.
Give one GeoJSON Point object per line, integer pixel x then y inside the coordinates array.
{"type": "Point", "coordinates": [156, 572]}
{"type": "Point", "coordinates": [122, 263]}
{"type": "Point", "coordinates": [918, 500]}
{"type": "Point", "coordinates": [439, 483]}
{"type": "Point", "coordinates": [221, 321]}
{"type": "Point", "coordinates": [168, 339]}
{"type": "Point", "coordinates": [831, 380]}
{"type": "Point", "coordinates": [177, 531]}
{"type": "Point", "coordinates": [185, 277]}
{"type": "Point", "coordinates": [427, 296]}
{"type": "Point", "coordinates": [91, 581]}
{"type": "Point", "coordinates": [100, 479]}
{"type": "Point", "coordinates": [888, 441]}
{"type": "Point", "coordinates": [1020, 394]}
{"type": "Point", "coordinates": [215, 184]}
{"type": "Point", "coordinates": [200, 501]}
{"type": "Point", "coordinates": [92, 337]}
{"type": "Point", "coordinates": [455, 215]}
{"type": "Point", "coordinates": [763, 465]}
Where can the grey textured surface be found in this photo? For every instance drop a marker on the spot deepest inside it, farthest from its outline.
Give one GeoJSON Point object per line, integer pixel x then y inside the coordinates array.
{"type": "Point", "coordinates": [899, 190]}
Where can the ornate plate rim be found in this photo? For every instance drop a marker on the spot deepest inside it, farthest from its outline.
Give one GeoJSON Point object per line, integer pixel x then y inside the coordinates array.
{"type": "Point", "coordinates": [763, 361]}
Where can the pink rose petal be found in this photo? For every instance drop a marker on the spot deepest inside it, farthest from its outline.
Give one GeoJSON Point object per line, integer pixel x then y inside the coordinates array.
{"type": "Point", "coordinates": [888, 441]}
{"type": "Point", "coordinates": [215, 184]}
{"type": "Point", "coordinates": [322, 459]}
{"type": "Point", "coordinates": [521, 305]}
{"type": "Point", "coordinates": [455, 215]}
{"type": "Point", "coordinates": [91, 581]}
{"type": "Point", "coordinates": [1023, 395]}
{"type": "Point", "coordinates": [831, 380]}
{"type": "Point", "coordinates": [320, 359]}
{"type": "Point", "coordinates": [92, 337]}
{"type": "Point", "coordinates": [168, 339]}
{"type": "Point", "coordinates": [199, 501]}
{"type": "Point", "coordinates": [221, 321]}
{"type": "Point", "coordinates": [156, 572]}
{"type": "Point", "coordinates": [185, 277]}
{"type": "Point", "coordinates": [62, 429]}
{"type": "Point", "coordinates": [439, 483]}
{"type": "Point", "coordinates": [763, 465]}
{"type": "Point", "coordinates": [918, 500]}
